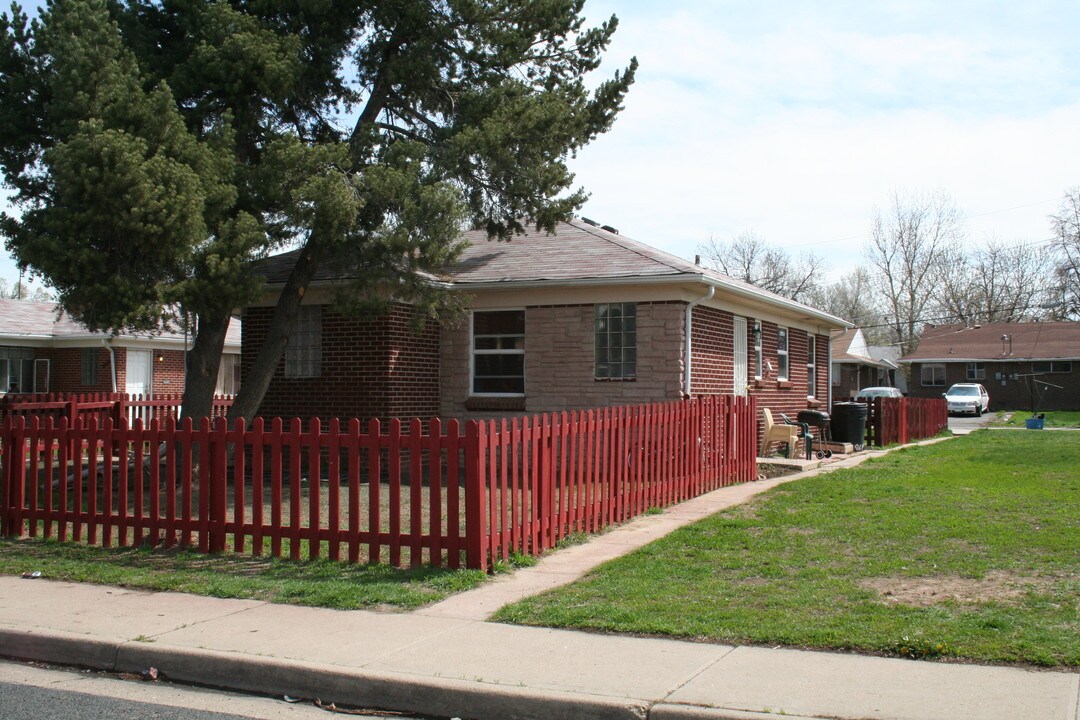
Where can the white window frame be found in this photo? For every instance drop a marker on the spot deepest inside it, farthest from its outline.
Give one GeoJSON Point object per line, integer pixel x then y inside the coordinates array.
{"type": "Point", "coordinates": [625, 369]}
{"type": "Point", "coordinates": [228, 378]}
{"type": "Point", "coordinates": [782, 356]}
{"type": "Point", "coordinates": [757, 350]}
{"type": "Point", "coordinates": [976, 371]}
{"type": "Point", "coordinates": [303, 353]}
{"type": "Point", "coordinates": [933, 367]}
{"type": "Point", "coordinates": [474, 352]}
{"type": "Point", "coordinates": [811, 365]}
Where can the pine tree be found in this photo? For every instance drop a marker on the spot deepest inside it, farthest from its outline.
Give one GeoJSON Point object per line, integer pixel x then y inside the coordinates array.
{"type": "Point", "coordinates": [158, 148]}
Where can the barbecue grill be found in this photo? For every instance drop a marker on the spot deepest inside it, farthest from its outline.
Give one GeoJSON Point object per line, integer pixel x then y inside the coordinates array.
{"type": "Point", "coordinates": [819, 419]}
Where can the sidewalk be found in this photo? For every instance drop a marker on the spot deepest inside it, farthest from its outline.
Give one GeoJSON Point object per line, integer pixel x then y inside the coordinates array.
{"type": "Point", "coordinates": [446, 661]}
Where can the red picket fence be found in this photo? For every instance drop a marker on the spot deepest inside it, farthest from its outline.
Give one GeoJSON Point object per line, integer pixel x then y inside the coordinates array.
{"type": "Point", "coordinates": [81, 407]}
{"type": "Point", "coordinates": [902, 420]}
{"type": "Point", "coordinates": [406, 495]}
{"type": "Point", "coordinates": [546, 477]}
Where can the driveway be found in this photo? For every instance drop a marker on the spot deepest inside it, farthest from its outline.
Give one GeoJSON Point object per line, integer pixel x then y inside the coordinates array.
{"type": "Point", "coordinates": [964, 424]}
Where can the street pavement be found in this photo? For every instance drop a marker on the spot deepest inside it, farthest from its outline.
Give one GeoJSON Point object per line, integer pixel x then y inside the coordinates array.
{"type": "Point", "coordinates": [447, 660]}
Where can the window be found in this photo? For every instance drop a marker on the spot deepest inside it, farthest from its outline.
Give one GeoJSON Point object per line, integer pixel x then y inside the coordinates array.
{"type": "Point", "coordinates": [811, 365]}
{"type": "Point", "coordinates": [303, 353]}
{"type": "Point", "coordinates": [228, 377]}
{"type": "Point", "coordinates": [616, 341]}
{"type": "Point", "coordinates": [89, 366]}
{"type": "Point", "coordinates": [1055, 366]}
{"type": "Point", "coordinates": [976, 371]}
{"type": "Point", "coordinates": [498, 347]}
{"type": "Point", "coordinates": [836, 373]}
{"type": "Point", "coordinates": [781, 354]}
{"type": "Point", "coordinates": [757, 349]}
{"type": "Point", "coordinates": [16, 369]}
{"type": "Point", "coordinates": [933, 374]}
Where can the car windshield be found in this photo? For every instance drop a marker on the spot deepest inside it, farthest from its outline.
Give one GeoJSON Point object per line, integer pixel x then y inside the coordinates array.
{"type": "Point", "coordinates": [964, 391]}
{"type": "Point", "coordinates": [875, 392]}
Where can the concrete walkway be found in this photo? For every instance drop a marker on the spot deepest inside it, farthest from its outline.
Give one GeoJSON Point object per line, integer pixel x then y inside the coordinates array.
{"type": "Point", "coordinates": [446, 661]}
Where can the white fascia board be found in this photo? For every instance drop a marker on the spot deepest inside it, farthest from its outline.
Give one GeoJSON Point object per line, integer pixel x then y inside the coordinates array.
{"type": "Point", "coordinates": [788, 306]}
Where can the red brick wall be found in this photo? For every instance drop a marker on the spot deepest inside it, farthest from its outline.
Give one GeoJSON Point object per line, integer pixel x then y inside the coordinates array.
{"type": "Point", "coordinates": [65, 370]}
{"type": "Point", "coordinates": [712, 368]}
{"type": "Point", "coordinates": [373, 367]}
{"type": "Point", "coordinates": [168, 372]}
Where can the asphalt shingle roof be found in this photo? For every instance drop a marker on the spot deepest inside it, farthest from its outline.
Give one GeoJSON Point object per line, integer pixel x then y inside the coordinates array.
{"type": "Point", "coordinates": [45, 320]}
{"type": "Point", "coordinates": [577, 251]}
{"type": "Point", "coordinates": [1037, 340]}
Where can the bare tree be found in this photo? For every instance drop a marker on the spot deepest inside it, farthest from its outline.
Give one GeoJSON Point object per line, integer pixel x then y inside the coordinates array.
{"type": "Point", "coordinates": [21, 291]}
{"type": "Point", "coordinates": [909, 244]}
{"type": "Point", "coordinates": [997, 283]}
{"type": "Point", "coordinates": [1066, 244]}
{"type": "Point", "coordinates": [852, 298]}
{"type": "Point", "coordinates": [748, 257]}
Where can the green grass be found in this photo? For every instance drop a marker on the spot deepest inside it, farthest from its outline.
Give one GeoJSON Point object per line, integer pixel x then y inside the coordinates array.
{"type": "Point", "coordinates": [319, 583]}
{"type": "Point", "coordinates": [1054, 418]}
{"type": "Point", "coordinates": [965, 549]}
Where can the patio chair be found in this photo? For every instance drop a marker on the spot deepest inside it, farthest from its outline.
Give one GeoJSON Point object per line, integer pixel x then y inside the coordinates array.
{"type": "Point", "coordinates": [778, 432]}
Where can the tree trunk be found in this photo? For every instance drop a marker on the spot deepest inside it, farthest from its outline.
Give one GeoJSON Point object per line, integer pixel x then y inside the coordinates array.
{"type": "Point", "coordinates": [204, 359]}
{"type": "Point", "coordinates": [257, 382]}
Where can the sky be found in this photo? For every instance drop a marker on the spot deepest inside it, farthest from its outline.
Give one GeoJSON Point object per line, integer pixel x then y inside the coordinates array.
{"type": "Point", "coordinates": [797, 120]}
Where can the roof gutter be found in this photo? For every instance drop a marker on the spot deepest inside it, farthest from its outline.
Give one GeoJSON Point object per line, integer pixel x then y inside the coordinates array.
{"type": "Point", "coordinates": [112, 360]}
{"type": "Point", "coordinates": [689, 327]}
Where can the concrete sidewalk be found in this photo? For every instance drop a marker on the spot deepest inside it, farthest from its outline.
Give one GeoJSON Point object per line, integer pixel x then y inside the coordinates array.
{"type": "Point", "coordinates": [446, 661]}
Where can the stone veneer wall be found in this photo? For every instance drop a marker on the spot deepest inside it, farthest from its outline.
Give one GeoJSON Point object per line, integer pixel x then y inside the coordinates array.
{"type": "Point", "coordinates": [559, 357]}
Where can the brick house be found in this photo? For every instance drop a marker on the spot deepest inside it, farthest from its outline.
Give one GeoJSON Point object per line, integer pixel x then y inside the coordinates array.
{"type": "Point", "coordinates": [43, 350]}
{"type": "Point", "coordinates": [856, 365]}
{"type": "Point", "coordinates": [584, 318]}
{"type": "Point", "coordinates": [1010, 359]}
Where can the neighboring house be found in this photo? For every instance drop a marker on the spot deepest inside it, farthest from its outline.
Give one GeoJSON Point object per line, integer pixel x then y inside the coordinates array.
{"type": "Point", "coordinates": [1008, 358]}
{"type": "Point", "coordinates": [584, 318]}
{"type": "Point", "coordinates": [855, 365]}
{"type": "Point", "coordinates": [890, 356]}
{"type": "Point", "coordinates": [44, 350]}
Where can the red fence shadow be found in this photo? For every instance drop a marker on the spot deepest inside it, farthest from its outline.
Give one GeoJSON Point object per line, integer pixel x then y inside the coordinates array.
{"type": "Point", "coordinates": [402, 494]}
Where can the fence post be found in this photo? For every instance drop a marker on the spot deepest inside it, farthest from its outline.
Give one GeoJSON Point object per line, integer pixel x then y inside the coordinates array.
{"type": "Point", "coordinates": [475, 452]}
{"type": "Point", "coordinates": [905, 434]}
{"type": "Point", "coordinates": [217, 472]}
{"type": "Point", "coordinates": [14, 480]}
{"type": "Point", "coordinates": [7, 467]}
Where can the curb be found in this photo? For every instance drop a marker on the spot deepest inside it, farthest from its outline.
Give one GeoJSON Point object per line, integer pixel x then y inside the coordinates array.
{"type": "Point", "coordinates": [275, 677]}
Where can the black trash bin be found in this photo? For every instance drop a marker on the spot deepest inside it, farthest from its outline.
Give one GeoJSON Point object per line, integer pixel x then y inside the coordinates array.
{"type": "Point", "coordinates": [849, 423]}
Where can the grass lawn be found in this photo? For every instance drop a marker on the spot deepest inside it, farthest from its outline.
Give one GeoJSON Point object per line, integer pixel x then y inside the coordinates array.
{"type": "Point", "coordinates": [1054, 418]}
{"type": "Point", "coordinates": [320, 583]}
{"type": "Point", "coordinates": [966, 549]}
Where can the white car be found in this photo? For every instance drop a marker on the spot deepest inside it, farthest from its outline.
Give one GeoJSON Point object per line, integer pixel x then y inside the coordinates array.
{"type": "Point", "coordinates": [967, 398]}
{"type": "Point", "coordinates": [868, 394]}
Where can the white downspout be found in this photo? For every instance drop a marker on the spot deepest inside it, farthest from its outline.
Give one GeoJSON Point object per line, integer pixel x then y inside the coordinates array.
{"type": "Point", "coordinates": [689, 327]}
{"type": "Point", "coordinates": [112, 362]}
{"type": "Point", "coordinates": [828, 405]}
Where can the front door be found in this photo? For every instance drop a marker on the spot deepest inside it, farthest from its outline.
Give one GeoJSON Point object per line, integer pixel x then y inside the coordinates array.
{"type": "Point", "coordinates": [740, 358]}
{"type": "Point", "coordinates": [139, 367]}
